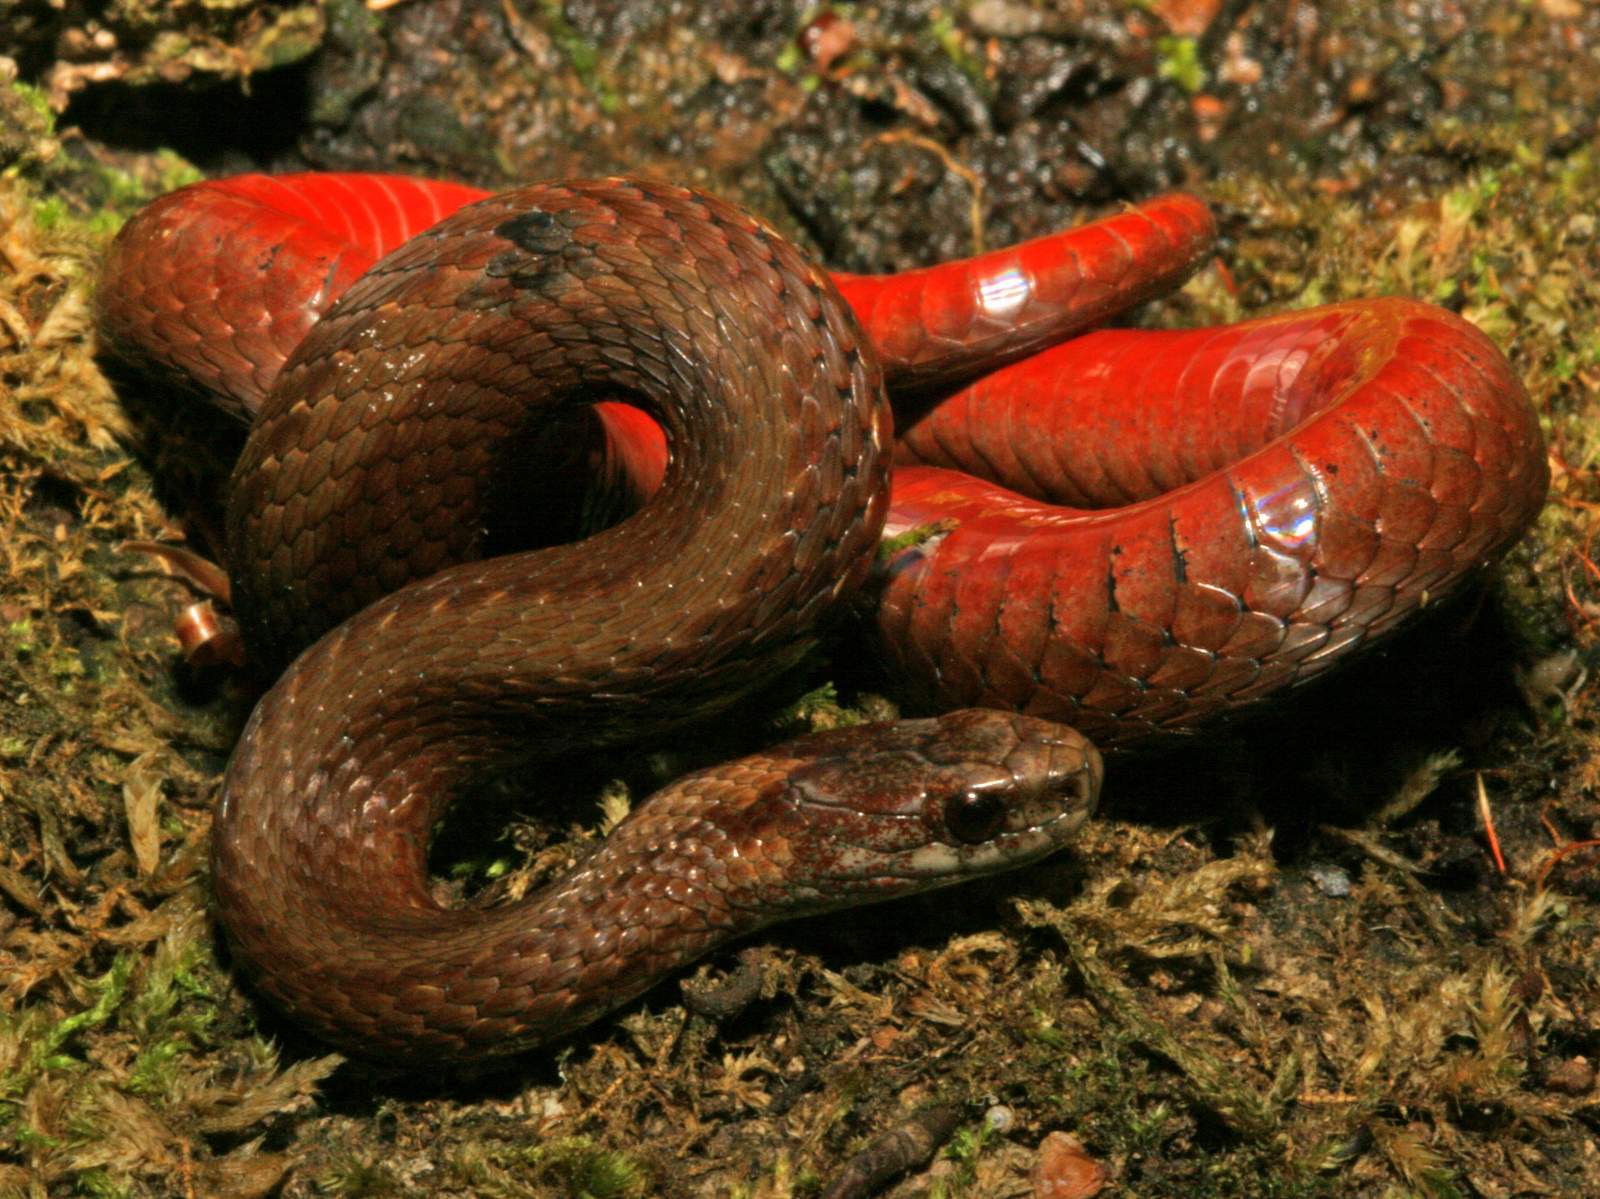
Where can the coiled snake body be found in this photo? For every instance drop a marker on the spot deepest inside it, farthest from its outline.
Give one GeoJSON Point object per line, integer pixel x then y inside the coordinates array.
{"type": "Point", "coordinates": [1286, 489]}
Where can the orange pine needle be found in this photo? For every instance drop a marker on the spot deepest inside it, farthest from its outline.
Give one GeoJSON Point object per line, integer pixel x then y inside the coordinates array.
{"type": "Point", "coordinates": [1488, 825]}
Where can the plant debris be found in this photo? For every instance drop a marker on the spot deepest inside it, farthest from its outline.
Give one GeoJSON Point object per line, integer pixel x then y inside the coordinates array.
{"type": "Point", "coordinates": [1186, 995]}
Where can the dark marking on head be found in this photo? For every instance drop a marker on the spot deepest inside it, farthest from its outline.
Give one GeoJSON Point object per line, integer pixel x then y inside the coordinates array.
{"type": "Point", "coordinates": [535, 231]}
{"type": "Point", "coordinates": [544, 250]}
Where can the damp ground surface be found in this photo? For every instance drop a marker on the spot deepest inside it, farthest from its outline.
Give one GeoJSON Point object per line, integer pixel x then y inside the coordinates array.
{"type": "Point", "coordinates": [1289, 959]}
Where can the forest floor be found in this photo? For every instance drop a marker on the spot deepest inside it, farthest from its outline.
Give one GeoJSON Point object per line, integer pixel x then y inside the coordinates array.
{"type": "Point", "coordinates": [1286, 960]}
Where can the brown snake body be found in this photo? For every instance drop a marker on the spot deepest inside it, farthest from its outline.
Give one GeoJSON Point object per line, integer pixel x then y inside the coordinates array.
{"type": "Point", "coordinates": [535, 299]}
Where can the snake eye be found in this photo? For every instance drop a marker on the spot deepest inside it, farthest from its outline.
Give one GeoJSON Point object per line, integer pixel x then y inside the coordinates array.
{"type": "Point", "coordinates": [974, 816]}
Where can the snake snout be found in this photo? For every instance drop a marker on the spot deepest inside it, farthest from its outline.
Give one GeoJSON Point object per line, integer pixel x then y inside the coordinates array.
{"type": "Point", "coordinates": [1057, 771]}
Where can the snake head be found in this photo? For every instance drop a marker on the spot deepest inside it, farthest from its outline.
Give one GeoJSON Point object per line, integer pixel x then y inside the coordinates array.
{"type": "Point", "coordinates": [882, 810]}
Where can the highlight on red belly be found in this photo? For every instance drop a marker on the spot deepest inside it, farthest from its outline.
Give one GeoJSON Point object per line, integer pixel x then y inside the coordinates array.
{"type": "Point", "coordinates": [939, 325]}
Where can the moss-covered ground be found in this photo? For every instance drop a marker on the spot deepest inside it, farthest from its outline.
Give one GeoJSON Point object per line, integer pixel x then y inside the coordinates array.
{"type": "Point", "coordinates": [1348, 948]}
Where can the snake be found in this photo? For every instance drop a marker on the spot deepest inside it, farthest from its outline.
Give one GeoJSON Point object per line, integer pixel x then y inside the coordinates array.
{"type": "Point", "coordinates": [1091, 533]}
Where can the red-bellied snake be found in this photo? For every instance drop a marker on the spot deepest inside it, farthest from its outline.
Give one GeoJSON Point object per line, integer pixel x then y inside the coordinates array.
{"type": "Point", "coordinates": [1214, 514]}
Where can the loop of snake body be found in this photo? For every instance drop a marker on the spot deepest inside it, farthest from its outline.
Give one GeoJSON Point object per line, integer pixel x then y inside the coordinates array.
{"type": "Point", "coordinates": [1168, 525]}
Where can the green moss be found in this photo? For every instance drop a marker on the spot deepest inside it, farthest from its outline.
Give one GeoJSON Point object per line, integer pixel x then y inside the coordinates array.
{"type": "Point", "coordinates": [1180, 63]}
{"type": "Point", "coordinates": [583, 54]}
{"type": "Point", "coordinates": [65, 664]}
{"type": "Point", "coordinates": [948, 35]}
{"type": "Point", "coordinates": [113, 194]}
{"type": "Point", "coordinates": [38, 101]}
{"type": "Point", "coordinates": [965, 1147]}
{"type": "Point", "coordinates": [592, 1173]}
{"type": "Point", "coordinates": [49, 213]}
{"type": "Point", "coordinates": [357, 1178]}
{"type": "Point", "coordinates": [575, 1165]}
{"type": "Point", "coordinates": [295, 35]}
{"type": "Point", "coordinates": [21, 633]}
{"type": "Point", "coordinates": [47, 1044]}
{"type": "Point", "coordinates": [176, 995]}
{"type": "Point", "coordinates": [917, 535]}
{"type": "Point", "coordinates": [100, 1184]}
{"type": "Point", "coordinates": [157, 1068]}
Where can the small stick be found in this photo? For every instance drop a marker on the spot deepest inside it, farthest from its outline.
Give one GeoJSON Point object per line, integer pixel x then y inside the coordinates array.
{"type": "Point", "coordinates": [912, 1144]}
